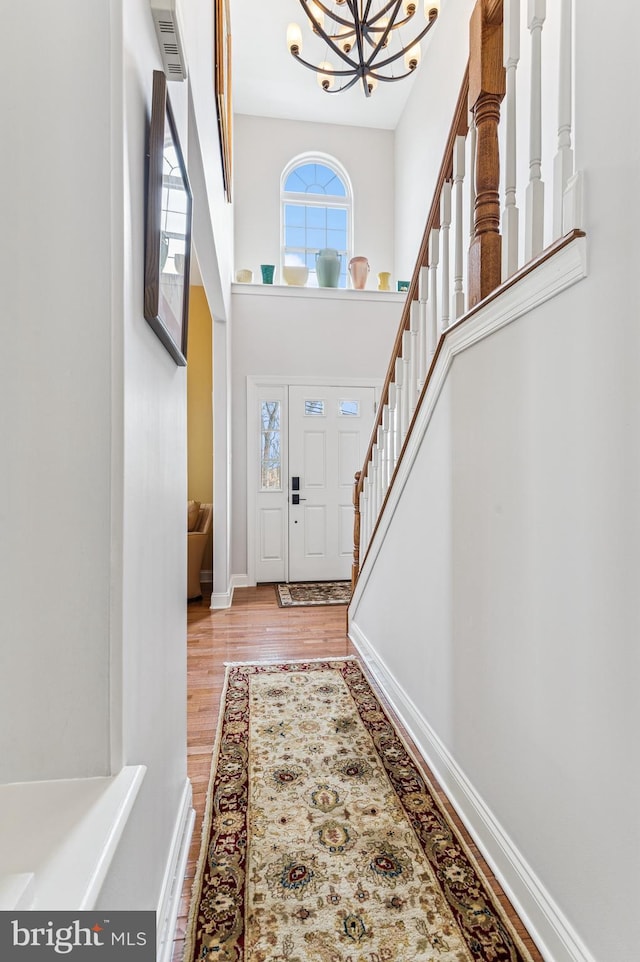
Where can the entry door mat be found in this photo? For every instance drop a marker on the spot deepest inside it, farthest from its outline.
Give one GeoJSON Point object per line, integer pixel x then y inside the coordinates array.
{"type": "Point", "coordinates": [322, 838]}
{"type": "Point", "coordinates": [304, 593]}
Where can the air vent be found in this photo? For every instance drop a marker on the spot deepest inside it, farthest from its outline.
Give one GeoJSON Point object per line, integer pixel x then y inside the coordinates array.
{"type": "Point", "coordinates": [165, 18]}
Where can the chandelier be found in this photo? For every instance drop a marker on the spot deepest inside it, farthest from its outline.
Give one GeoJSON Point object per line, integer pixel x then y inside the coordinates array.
{"type": "Point", "coordinates": [366, 37]}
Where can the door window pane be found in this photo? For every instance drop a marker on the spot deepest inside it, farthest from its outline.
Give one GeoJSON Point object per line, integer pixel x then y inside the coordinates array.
{"type": "Point", "coordinates": [270, 450]}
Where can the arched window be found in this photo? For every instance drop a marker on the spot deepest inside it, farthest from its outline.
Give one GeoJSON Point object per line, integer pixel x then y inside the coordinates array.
{"type": "Point", "coordinates": [316, 212]}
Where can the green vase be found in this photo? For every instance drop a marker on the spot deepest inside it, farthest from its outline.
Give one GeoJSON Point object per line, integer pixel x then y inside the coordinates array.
{"type": "Point", "coordinates": [328, 263]}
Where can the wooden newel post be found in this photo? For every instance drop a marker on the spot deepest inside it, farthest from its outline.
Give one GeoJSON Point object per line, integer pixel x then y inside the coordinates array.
{"type": "Point", "coordinates": [355, 567]}
{"type": "Point", "coordinates": [486, 90]}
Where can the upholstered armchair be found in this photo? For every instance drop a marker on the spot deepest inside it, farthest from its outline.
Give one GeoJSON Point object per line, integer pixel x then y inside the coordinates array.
{"type": "Point", "coordinates": [199, 521]}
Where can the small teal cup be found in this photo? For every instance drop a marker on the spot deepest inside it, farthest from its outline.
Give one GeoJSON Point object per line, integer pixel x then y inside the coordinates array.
{"type": "Point", "coordinates": [267, 273]}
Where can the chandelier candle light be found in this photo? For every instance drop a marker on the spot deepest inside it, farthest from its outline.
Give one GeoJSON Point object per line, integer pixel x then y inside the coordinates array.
{"type": "Point", "coordinates": [366, 37]}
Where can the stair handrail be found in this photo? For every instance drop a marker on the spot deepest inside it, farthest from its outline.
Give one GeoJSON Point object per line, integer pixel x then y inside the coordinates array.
{"type": "Point", "coordinates": [459, 126]}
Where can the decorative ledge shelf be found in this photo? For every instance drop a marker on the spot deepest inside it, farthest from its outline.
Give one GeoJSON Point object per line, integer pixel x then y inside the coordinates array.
{"type": "Point", "coordinates": [57, 838]}
{"type": "Point", "coordinates": [325, 293]}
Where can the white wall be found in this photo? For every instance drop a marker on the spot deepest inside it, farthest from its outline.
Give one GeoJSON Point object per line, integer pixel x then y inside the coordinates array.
{"type": "Point", "coordinates": [154, 462]}
{"type": "Point", "coordinates": [55, 391]}
{"type": "Point", "coordinates": [319, 334]}
{"type": "Point", "coordinates": [264, 146]}
{"type": "Point", "coordinates": [94, 431]}
{"type": "Point", "coordinates": [514, 557]}
{"type": "Point", "coordinates": [149, 427]}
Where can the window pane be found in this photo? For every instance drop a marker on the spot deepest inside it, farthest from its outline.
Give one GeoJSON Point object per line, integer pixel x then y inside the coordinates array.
{"type": "Point", "coordinates": [307, 174]}
{"type": "Point", "coordinates": [337, 218]}
{"type": "Point", "coordinates": [294, 215]}
{"type": "Point", "coordinates": [337, 239]}
{"type": "Point", "coordinates": [270, 415]}
{"type": "Point", "coordinates": [315, 179]}
{"type": "Point", "coordinates": [316, 217]}
{"type": "Point", "coordinates": [294, 181]}
{"type": "Point", "coordinates": [270, 458]}
{"type": "Point", "coordinates": [294, 259]}
{"type": "Point", "coordinates": [271, 477]}
{"type": "Point", "coordinates": [336, 187]}
{"type": "Point", "coordinates": [349, 409]}
{"type": "Point", "coordinates": [314, 408]}
{"type": "Point", "coordinates": [294, 237]}
{"type": "Point", "coordinates": [316, 238]}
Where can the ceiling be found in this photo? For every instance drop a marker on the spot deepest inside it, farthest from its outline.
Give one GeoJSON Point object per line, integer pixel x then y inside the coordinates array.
{"type": "Point", "coordinates": [268, 82]}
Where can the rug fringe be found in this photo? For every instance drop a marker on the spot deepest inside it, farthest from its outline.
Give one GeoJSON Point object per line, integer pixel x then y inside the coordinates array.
{"type": "Point", "coordinates": [196, 886]}
{"type": "Point", "coordinates": [289, 661]}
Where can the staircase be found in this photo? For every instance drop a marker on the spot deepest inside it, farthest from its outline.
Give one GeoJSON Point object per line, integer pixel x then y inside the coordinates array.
{"type": "Point", "coordinates": [470, 234]}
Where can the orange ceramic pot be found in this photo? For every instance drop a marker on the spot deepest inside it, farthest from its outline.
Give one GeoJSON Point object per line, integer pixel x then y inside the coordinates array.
{"type": "Point", "coordinates": [359, 269]}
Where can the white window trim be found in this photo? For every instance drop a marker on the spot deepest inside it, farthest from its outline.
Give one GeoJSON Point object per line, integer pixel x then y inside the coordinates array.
{"type": "Point", "coordinates": [317, 200]}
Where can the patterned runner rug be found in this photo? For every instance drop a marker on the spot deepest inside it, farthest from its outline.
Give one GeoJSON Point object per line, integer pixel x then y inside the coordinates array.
{"type": "Point", "coordinates": [298, 594]}
{"type": "Point", "coordinates": [322, 839]}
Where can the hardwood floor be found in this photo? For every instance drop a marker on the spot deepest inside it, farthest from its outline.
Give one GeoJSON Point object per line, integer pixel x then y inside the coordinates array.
{"type": "Point", "coordinates": [256, 628]}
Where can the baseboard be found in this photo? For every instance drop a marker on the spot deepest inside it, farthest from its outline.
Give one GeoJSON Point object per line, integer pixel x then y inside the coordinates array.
{"type": "Point", "coordinates": [224, 599]}
{"type": "Point", "coordinates": [549, 928]}
{"type": "Point", "coordinates": [171, 892]}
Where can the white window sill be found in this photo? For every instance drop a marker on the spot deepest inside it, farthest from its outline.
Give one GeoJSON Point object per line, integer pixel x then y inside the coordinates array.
{"type": "Point", "coordinates": [328, 293]}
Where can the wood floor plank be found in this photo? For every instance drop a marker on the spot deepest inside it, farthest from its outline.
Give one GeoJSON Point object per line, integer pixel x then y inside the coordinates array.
{"type": "Point", "coordinates": [255, 628]}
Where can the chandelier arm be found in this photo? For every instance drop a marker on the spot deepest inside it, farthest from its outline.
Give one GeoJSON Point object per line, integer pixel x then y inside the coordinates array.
{"type": "Point", "coordinates": [396, 56]}
{"type": "Point", "coordinates": [384, 10]}
{"type": "Point", "coordinates": [329, 73]}
{"type": "Point", "coordinates": [352, 4]}
{"type": "Point", "coordinates": [338, 90]}
{"type": "Point", "coordinates": [379, 44]}
{"type": "Point", "coordinates": [330, 41]}
{"type": "Point", "coordinates": [395, 24]}
{"type": "Point", "coordinates": [390, 80]}
{"type": "Point", "coordinates": [329, 13]}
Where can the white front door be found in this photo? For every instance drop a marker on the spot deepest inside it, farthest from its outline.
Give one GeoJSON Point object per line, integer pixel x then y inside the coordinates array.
{"type": "Point", "coordinates": [329, 430]}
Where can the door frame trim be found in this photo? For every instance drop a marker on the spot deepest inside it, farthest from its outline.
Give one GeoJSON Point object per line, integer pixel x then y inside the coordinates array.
{"type": "Point", "coordinates": [254, 383]}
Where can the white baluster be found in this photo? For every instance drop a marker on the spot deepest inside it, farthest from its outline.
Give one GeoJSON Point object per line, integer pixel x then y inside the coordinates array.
{"type": "Point", "coordinates": [457, 301]}
{"type": "Point", "coordinates": [407, 406]}
{"type": "Point", "coordinates": [386, 452]}
{"type": "Point", "coordinates": [362, 547]}
{"type": "Point", "coordinates": [375, 485]}
{"type": "Point", "coordinates": [382, 447]}
{"type": "Point", "coordinates": [445, 224]}
{"type": "Point", "coordinates": [563, 161]}
{"type": "Point", "coordinates": [399, 406]}
{"type": "Point", "coordinates": [534, 228]}
{"type": "Point", "coordinates": [414, 359]}
{"type": "Point", "coordinates": [471, 167]}
{"type": "Point", "coordinates": [423, 347]}
{"type": "Point", "coordinates": [393, 427]}
{"type": "Point", "coordinates": [510, 214]}
{"type": "Point", "coordinates": [365, 533]}
{"type": "Point", "coordinates": [432, 323]}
